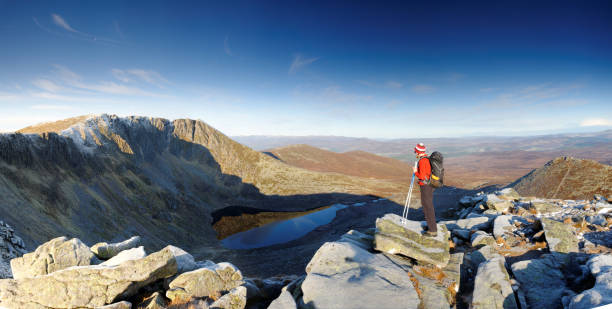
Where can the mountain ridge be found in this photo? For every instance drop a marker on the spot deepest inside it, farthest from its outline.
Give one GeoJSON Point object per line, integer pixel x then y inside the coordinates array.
{"type": "Point", "coordinates": [567, 178]}
{"type": "Point", "coordinates": [107, 176]}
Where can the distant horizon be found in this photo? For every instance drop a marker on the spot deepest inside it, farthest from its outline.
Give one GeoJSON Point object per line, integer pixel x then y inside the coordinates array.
{"type": "Point", "coordinates": [343, 68]}
{"type": "Point", "coordinates": [579, 130]}
{"type": "Point", "coordinates": [533, 134]}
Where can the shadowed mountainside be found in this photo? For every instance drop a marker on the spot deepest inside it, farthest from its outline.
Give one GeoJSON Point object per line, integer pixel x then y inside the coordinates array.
{"type": "Point", "coordinates": [567, 178]}
{"type": "Point", "coordinates": [107, 177]}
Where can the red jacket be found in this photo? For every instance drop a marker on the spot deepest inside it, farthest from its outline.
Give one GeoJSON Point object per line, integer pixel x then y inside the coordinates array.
{"type": "Point", "coordinates": [423, 170]}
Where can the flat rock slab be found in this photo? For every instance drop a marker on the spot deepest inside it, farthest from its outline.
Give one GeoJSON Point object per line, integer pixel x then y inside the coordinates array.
{"type": "Point", "coordinates": [482, 255]}
{"type": "Point", "coordinates": [344, 275]}
{"type": "Point", "coordinates": [559, 236]}
{"type": "Point", "coordinates": [185, 261]}
{"type": "Point", "coordinates": [120, 305]}
{"type": "Point", "coordinates": [541, 280]}
{"type": "Point", "coordinates": [601, 294]}
{"type": "Point", "coordinates": [106, 251]}
{"type": "Point", "coordinates": [235, 299]}
{"type": "Point", "coordinates": [506, 224]}
{"type": "Point", "coordinates": [363, 240]}
{"type": "Point", "coordinates": [474, 223]}
{"type": "Point", "coordinates": [394, 235]}
{"type": "Point", "coordinates": [446, 279]}
{"type": "Point", "coordinates": [87, 286]}
{"type": "Point", "coordinates": [481, 238]}
{"type": "Point", "coordinates": [492, 288]}
{"type": "Point", "coordinates": [126, 255]}
{"type": "Point", "coordinates": [496, 203]}
{"type": "Point", "coordinates": [508, 194]}
{"type": "Point", "coordinates": [544, 208]}
{"type": "Point", "coordinates": [433, 295]}
{"type": "Point", "coordinates": [208, 281]}
{"type": "Point", "coordinates": [461, 233]}
{"type": "Point", "coordinates": [283, 301]}
{"type": "Point", "coordinates": [56, 254]}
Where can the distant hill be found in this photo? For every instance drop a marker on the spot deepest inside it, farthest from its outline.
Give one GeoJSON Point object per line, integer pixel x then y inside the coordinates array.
{"type": "Point", "coordinates": [104, 177]}
{"type": "Point", "coordinates": [451, 147]}
{"type": "Point", "coordinates": [355, 163]}
{"type": "Point", "coordinates": [469, 162]}
{"type": "Point", "coordinates": [502, 168]}
{"type": "Point", "coordinates": [567, 178]}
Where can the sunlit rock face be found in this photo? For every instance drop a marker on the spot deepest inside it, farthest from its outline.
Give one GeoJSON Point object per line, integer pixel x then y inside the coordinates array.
{"type": "Point", "coordinates": [395, 235]}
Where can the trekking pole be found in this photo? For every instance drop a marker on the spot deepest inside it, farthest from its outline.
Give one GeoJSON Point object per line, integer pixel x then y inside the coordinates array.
{"type": "Point", "coordinates": [409, 196]}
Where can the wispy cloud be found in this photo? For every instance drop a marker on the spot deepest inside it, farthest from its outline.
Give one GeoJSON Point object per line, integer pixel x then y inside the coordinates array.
{"type": "Point", "coordinates": [149, 76]}
{"type": "Point", "coordinates": [58, 20]}
{"type": "Point", "coordinates": [546, 94]}
{"type": "Point", "coordinates": [66, 74]}
{"type": "Point", "coordinates": [393, 104]}
{"type": "Point", "coordinates": [336, 94]}
{"type": "Point", "coordinates": [71, 32]}
{"type": "Point", "coordinates": [72, 79]}
{"type": "Point", "coordinates": [121, 75]}
{"type": "Point", "coordinates": [9, 97]}
{"type": "Point", "coordinates": [51, 107]}
{"type": "Point", "coordinates": [393, 84]}
{"type": "Point", "coordinates": [591, 122]}
{"type": "Point", "coordinates": [47, 85]}
{"type": "Point", "coordinates": [487, 89]}
{"type": "Point", "coordinates": [366, 83]}
{"type": "Point", "coordinates": [423, 89]}
{"type": "Point", "coordinates": [118, 30]}
{"type": "Point", "coordinates": [454, 77]}
{"type": "Point", "coordinates": [566, 103]}
{"type": "Point", "coordinates": [226, 46]}
{"type": "Point", "coordinates": [299, 62]}
{"type": "Point", "coordinates": [389, 84]}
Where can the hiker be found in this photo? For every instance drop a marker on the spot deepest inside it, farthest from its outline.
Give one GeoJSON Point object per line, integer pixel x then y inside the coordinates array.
{"type": "Point", "coordinates": [423, 173]}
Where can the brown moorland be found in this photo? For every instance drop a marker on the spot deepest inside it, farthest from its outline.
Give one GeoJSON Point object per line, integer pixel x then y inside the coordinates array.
{"type": "Point", "coordinates": [502, 168]}
{"type": "Point", "coordinates": [567, 178]}
{"type": "Point", "coordinates": [468, 171]}
{"type": "Point", "coordinates": [355, 163]}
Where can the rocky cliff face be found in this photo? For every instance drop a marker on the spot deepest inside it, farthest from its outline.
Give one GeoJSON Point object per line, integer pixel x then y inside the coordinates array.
{"type": "Point", "coordinates": [567, 178]}
{"type": "Point", "coordinates": [11, 246]}
{"type": "Point", "coordinates": [106, 176]}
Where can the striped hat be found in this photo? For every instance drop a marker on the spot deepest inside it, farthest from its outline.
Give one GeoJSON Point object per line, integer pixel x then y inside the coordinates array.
{"type": "Point", "coordinates": [420, 148]}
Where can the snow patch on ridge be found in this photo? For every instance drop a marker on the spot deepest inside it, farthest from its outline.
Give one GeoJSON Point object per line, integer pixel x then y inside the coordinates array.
{"type": "Point", "coordinates": [85, 134]}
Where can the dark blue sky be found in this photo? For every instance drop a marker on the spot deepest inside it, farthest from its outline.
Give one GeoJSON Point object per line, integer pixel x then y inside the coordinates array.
{"type": "Point", "coordinates": [299, 68]}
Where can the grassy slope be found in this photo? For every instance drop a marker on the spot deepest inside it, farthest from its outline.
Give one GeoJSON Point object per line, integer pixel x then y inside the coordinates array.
{"type": "Point", "coordinates": [56, 126]}
{"type": "Point", "coordinates": [355, 163]}
{"type": "Point", "coordinates": [567, 178]}
{"type": "Point", "coordinates": [505, 167]}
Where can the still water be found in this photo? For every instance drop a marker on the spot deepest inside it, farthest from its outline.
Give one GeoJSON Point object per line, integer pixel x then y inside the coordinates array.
{"type": "Point", "coordinates": [282, 231]}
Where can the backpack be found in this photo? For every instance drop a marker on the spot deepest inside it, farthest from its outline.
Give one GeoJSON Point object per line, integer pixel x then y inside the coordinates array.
{"type": "Point", "coordinates": [436, 160]}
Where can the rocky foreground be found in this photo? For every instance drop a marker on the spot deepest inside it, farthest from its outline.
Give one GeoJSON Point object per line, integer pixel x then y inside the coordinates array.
{"type": "Point", "coordinates": [503, 251]}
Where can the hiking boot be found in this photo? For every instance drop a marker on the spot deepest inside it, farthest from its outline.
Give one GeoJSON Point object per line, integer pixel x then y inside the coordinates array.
{"type": "Point", "coordinates": [431, 234]}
